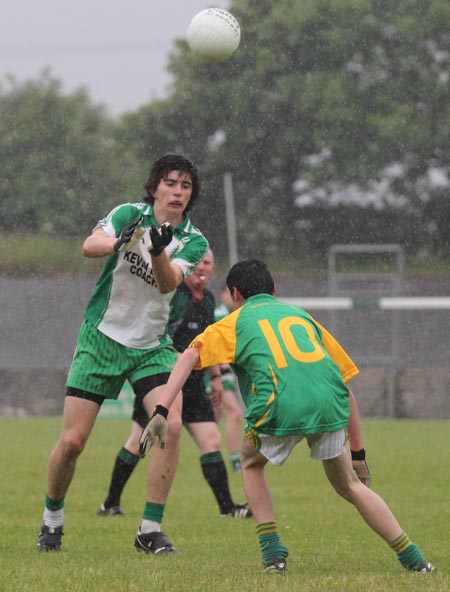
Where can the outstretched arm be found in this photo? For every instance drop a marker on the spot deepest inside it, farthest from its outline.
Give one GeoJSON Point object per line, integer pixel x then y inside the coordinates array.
{"type": "Point", "coordinates": [356, 443]}
{"type": "Point", "coordinates": [99, 244]}
{"type": "Point", "coordinates": [183, 367]}
{"type": "Point", "coordinates": [354, 424]}
{"type": "Point", "coordinates": [157, 426]}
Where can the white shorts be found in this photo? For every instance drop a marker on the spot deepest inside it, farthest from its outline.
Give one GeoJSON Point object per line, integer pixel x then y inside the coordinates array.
{"type": "Point", "coordinates": [323, 446]}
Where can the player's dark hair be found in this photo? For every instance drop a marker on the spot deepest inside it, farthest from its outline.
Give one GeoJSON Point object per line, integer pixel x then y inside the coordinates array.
{"type": "Point", "coordinates": [250, 277]}
{"type": "Point", "coordinates": [163, 166]}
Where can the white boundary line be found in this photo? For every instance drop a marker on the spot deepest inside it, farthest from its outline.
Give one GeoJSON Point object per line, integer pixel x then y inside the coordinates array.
{"type": "Point", "coordinates": [321, 303]}
{"type": "Point", "coordinates": [403, 303]}
{"type": "Point", "coordinates": [415, 303]}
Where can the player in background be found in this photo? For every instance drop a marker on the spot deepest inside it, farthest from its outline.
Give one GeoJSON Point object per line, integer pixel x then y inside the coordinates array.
{"type": "Point", "coordinates": [191, 311]}
{"type": "Point", "coordinates": [230, 408]}
{"type": "Point", "coordinates": [293, 390]}
{"type": "Point", "coordinates": [150, 247]}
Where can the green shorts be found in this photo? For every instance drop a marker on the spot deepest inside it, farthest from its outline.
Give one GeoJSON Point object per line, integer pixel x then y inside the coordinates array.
{"type": "Point", "coordinates": [101, 365]}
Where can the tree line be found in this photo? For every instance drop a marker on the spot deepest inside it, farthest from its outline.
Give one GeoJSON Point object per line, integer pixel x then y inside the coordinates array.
{"type": "Point", "coordinates": [332, 117]}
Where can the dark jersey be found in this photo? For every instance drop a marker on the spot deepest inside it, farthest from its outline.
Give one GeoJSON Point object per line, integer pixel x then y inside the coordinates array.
{"type": "Point", "coordinates": [188, 318]}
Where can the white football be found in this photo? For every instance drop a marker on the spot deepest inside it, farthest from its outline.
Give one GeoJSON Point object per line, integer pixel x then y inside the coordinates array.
{"type": "Point", "coordinates": [214, 34]}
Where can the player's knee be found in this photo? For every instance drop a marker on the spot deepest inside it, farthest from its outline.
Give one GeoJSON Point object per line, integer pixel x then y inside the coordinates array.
{"type": "Point", "coordinates": [72, 444]}
{"type": "Point", "coordinates": [254, 462]}
{"type": "Point", "coordinates": [214, 440]}
{"type": "Point", "coordinates": [251, 458]}
{"type": "Point", "coordinates": [174, 426]}
{"type": "Point", "coordinates": [341, 490]}
{"type": "Point", "coordinates": [347, 489]}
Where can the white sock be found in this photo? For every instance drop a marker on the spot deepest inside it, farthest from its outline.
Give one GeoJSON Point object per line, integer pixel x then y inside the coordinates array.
{"type": "Point", "coordinates": [150, 526]}
{"type": "Point", "coordinates": [53, 518]}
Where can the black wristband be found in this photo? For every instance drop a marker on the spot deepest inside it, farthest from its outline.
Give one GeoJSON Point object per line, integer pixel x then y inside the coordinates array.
{"type": "Point", "coordinates": [359, 454]}
{"type": "Point", "coordinates": [161, 410]}
{"type": "Point", "coordinates": [215, 376]}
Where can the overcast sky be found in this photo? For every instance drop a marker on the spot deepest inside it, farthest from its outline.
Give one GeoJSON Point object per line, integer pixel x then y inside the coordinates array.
{"type": "Point", "coordinates": [117, 49]}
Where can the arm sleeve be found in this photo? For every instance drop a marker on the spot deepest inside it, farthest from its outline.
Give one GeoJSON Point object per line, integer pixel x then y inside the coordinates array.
{"type": "Point", "coordinates": [217, 343]}
{"type": "Point", "coordinates": [118, 218]}
{"type": "Point", "coordinates": [338, 354]}
{"type": "Point", "coordinates": [190, 256]}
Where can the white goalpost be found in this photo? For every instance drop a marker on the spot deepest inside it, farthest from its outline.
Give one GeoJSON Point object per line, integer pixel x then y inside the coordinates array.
{"type": "Point", "coordinates": [377, 340]}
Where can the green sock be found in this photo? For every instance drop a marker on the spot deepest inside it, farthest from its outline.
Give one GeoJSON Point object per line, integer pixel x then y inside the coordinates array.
{"type": "Point", "coordinates": [54, 505]}
{"type": "Point", "coordinates": [269, 541]}
{"type": "Point", "coordinates": [407, 552]}
{"type": "Point", "coordinates": [153, 512]}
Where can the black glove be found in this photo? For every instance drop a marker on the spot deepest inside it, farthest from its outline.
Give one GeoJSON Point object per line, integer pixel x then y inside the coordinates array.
{"type": "Point", "coordinates": [360, 466]}
{"type": "Point", "coordinates": [156, 428]}
{"type": "Point", "coordinates": [126, 235]}
{"type": "Point", "coordinates": [159, 239]}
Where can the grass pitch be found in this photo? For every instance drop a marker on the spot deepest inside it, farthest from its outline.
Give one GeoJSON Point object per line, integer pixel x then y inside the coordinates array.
{"type": "Point", "coordinates": [331, 549]}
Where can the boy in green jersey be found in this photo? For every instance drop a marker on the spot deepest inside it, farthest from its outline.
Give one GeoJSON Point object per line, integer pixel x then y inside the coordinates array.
{"type": "Point", "coordinates": [294, 390]}
{"type": "Point", "coordinates": [150, 247]}
{"type": "Point", "coordinates": [231, 408]}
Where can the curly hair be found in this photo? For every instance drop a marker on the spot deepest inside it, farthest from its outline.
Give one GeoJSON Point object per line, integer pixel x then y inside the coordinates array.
{"type": "Point", "coordinates": [163, 166]}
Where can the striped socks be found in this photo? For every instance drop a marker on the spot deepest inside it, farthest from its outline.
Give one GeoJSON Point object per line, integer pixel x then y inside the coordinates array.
{"type": "Point", "coordinates": [269, 541]}
{"type": "Point", "coordinates": [407, 552]}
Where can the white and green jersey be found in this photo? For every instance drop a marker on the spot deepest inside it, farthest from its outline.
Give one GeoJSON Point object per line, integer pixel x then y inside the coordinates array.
{"type": "Point", "coordinates": [127, 305]}
{"type": "Point", "coordinates": [220, 312]}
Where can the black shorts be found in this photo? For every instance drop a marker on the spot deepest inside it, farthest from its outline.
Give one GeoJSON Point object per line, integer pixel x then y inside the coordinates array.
{"type": "Point", "coordinates": [196, 403]}
{"type": "Point", "coordinates": [141, 387]}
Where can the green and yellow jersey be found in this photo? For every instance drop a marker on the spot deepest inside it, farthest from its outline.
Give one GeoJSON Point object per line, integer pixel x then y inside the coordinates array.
{"type": "Point", "coordinates": [291, 371]}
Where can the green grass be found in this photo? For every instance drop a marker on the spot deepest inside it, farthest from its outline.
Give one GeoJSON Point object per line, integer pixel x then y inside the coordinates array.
{"type": "Point", "coordinates": [330, 547]}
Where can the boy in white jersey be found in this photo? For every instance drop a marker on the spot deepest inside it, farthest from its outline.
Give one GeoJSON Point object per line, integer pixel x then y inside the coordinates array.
{"type": "Point", "coordinates": [294, 389]}
{"type": "Point", "coordinates": [151, 246]}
